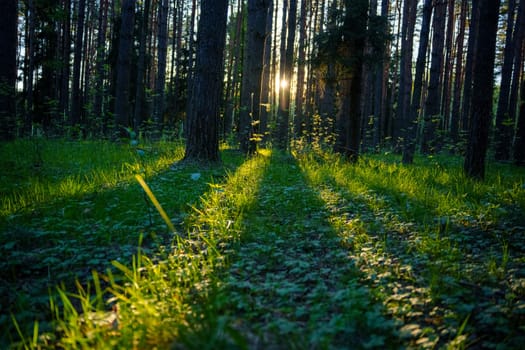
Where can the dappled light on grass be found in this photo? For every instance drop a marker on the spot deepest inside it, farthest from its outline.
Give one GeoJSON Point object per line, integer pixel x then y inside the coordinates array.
{"type": "Point", "coordinates": [40, 171]}
{"type": "Point", "coordinates": [432, 244]}
{"type": "Point", "coordinates": [164, 299]}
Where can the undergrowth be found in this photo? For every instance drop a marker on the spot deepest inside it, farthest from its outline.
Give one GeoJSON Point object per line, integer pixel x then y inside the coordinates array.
{"type": "Point", "coordinates": [276, 251]}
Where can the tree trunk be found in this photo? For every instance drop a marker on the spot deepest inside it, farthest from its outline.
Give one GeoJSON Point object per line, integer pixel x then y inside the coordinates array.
{"type": "Point", "coordinates": [352, 50]}
{"type": "Point", "coordinates": [458, 77]}
{"type": "Point", "coordinates": [482, 89]}
{"type": "Point", "coordinates": [204, 102]}
{"type": "Point", "coordinates": [503, 124]}
{"type": "Point", "coordinates": [432, 114]}
{"type": "Point", "coordinates": [469, 66]}
{"type": "Point", "coordinates": [286, 68]}
{"type": "Point", "coordinates": [252, 74]}
{"type": "Point", "coordinates": [122, 110]}
{"type": "Point", "coordinates": [405, 72]}
{"type": "Point", "coordinates": [74, 117]}
{"type": "Point", "coordinates": [447, 73]}
{"type": "Point", "coordinates": [410, 137]}
{"type": "Point", "coordinates": [266, 88]}
{"type": "Point", "coordinates": [160, 82]}
{"type": "Point", "coordinates": [301, 67]}
{"type": "Point", "coordinates": [519, 143]}
{"type": "Point", "coordinates": [140, 92]}
{"type": "Point", "coordinates": [8, 44]}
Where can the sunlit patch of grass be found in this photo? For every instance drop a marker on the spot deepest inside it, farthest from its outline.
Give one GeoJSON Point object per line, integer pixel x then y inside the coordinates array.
{"type": "Point", "coordinates": [38, 171]}
{"type": "Point", "coordinates": [165, 300]}
{"type": "Point", "coordinates": [431, 221]}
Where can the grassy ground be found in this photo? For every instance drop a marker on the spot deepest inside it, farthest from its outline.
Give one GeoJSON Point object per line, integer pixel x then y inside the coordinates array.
{"type": "Point", "coordinates": [276, 251]}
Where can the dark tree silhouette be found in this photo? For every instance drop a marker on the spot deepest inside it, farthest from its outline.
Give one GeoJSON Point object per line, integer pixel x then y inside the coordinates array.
{"type": "Point", "coordinates": [8, 23]}
{"type": "Point", "coordinates": [204, 101]}
{"type": "Point", "coordinates": [481, 104]}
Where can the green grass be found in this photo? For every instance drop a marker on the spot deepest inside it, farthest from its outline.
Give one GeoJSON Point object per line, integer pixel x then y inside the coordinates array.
{"type": "Point", "coordinates": [276, 251]}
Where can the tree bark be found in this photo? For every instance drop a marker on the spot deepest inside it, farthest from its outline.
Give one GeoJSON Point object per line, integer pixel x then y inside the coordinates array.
{"type": "Point", "coordinates": [204, 101]}
{"type": "Point", "coordinates": [458, 77]}
{"type": "Point", "coordinates": [519, 143]}
{"type": "Point", "coordinates": [503, 124]}
{"type": "Point", "coordinates": [75, 114]}
{"type": "Point", "coordinates": [122, 110]}
{"type": "Point", "coordinates": [432, 113]}
{"type": "Point", "coordinates": [8, 44]}
{"type": "Point", "coordinates": [482, 89]}
{"type": "Point", "coordinates": [415, 106]}
{"type": "Point", "coordinates": [160, 82]}
{"type": "Point", "coordinates": [255, 41]}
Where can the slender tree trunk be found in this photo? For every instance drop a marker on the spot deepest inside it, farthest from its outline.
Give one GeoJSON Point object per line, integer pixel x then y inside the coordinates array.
{"type": "Point", "coordinates": [519, 47]}
{"type": "Point", "coordinates": [432, 113]}
{"type": "Point", "coordinates": [415, 106]}
{"type": "Point", "coordinates": [266, 88]}
{"type": "Point", "coordinates": [469, 66]}
{"type": "Point", "coordinates": [458, 77]}
{"type": "Point", "coordinates": [301, 66]}
{"type": "Point", "coordinates": [122, 110]}
{"type": "Point", "coordinates": [252, 74]}
{"type": "Point", "coordinates": [140, 93]}
{"type": "Point", "coordinates": [204, 102]}
{"type": "Point", "coordinates": [482, 89]}
{"type": "Point", "coordinates": [8, 44]}
{"type": "Point", "coordinates": [74, 117]}
{"type": "Point", "coordinates": [449, 60]}
{"type": "Point", "coordinates": [503, 125]}
{"type": "Point", "coordinates": [160, 82]}
{"type": "Point", "coordinates": [405, 73]}
{"type": "Point", "coordinates": [287, 51]}
{"type": "Point", "coordinates": [519, 143]}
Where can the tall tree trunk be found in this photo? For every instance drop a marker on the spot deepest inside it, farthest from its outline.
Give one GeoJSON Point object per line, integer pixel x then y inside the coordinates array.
{"type": "Point", "coordinates": [519, 47]}
{"type": "Point", "coordinates": [8, 44]}
{"type": "Point", "coordinates": [352, 50]}
{"type": "Point", "coordinates": [432, 114]}
{"type": "Point", "coordinates": [266, 88]}
{"type": "Point", "coordinates": [464, 122]}
{"type": "Point", "coordinates": [204, 103]}
{"type": "Point", "coordinates": [252, 74]}
{"type": "Point", "coordinates": [447, 73]}
{"type": "Point", "coordinates": [458, 77]}
{"type": "Point", "coordinates": [503, 124]}
{"type": "Point", "coordinates": [65, 64]}
{"type": "Point", "coordinates": [160, 82]}
{"type": "Point", "coordinates": [140, 92]}
{"type": "Point", "coordinates": [415, 106]}
{"type": "Point", "coordinates": [287, 52]}
{"type": "Point", "coordinates": [122, 110]}
{"type": "Point", "coordinates": [100, 75]}
{"type": "Point", "coordinates": [519, 143]}
{"type": "Point", "coordinates": [405, 71]}
{"type": "Point", "coordinates": [301, 66]}
{"type": "Point", "coordinates": [381, 84]}
{"type": "Point", "coordinates": [482, 89]}
{"type": "Point", "coordinates": [75, 114]}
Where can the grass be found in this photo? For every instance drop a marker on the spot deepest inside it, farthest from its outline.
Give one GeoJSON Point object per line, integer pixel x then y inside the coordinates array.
{"type": "Point", "coordinates": [276, 251]}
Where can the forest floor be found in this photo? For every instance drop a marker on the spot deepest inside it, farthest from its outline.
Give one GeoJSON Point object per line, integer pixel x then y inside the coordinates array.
{"type": "Point", "coordinates": [277, 251]}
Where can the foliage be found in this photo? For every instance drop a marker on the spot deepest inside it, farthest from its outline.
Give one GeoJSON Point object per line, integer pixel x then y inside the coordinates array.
{"type": "Point", "coordinates": [276, 251]}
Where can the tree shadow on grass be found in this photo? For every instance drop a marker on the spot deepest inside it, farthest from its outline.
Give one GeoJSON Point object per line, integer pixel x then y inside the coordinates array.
{"type": "Point", "coordinates": [65, 240]}
{"type": "Point", "coordinates": [418, 266]}
{"type": "Point", "coordinates": [290, 283]}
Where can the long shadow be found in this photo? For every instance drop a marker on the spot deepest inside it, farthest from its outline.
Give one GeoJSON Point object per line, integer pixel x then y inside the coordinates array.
{"type": "Point", "coordinates": [409, 261]}
{"type": "Point", "coordinates": [64, 241]}
{"type": "Point", "coordinates": [290, 283]}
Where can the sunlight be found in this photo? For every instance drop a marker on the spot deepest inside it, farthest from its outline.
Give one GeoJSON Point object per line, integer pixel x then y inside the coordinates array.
{"type": "Point", "coordinates": [280, 83]}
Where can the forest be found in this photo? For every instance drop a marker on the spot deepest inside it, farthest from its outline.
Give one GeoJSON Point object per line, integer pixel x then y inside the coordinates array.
{"type": "Point", "coordinates": [254, 174]}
